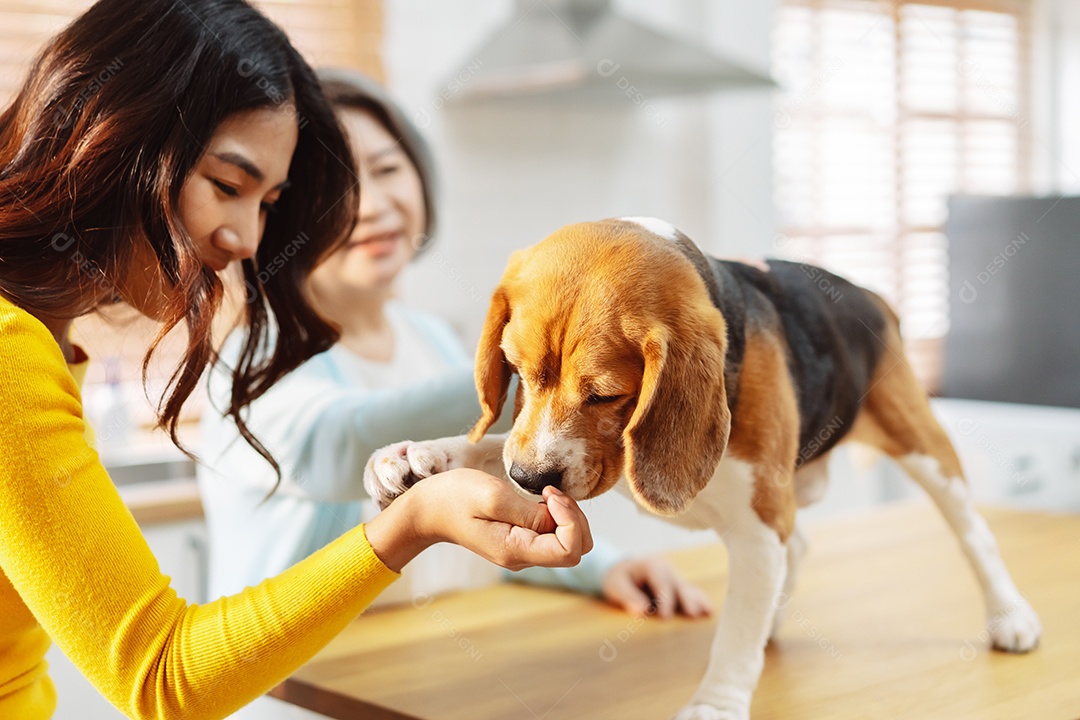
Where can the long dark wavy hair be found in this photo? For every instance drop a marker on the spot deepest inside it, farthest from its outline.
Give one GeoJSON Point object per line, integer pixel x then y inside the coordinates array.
{"type": "Point", "coordinates": [111, 120]}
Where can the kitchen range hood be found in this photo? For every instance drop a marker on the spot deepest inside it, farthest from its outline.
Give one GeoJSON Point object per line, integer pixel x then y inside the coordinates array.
{"type": "Point", "coordinates": [576, 49]}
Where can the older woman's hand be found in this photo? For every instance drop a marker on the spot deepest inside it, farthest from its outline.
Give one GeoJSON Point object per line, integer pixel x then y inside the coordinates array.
{"type": "Point", "coordinates": [650, 585]}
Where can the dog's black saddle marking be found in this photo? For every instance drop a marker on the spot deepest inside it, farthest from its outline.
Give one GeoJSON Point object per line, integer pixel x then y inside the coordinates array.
{"type": "Point", "coordinates": [833, 330]}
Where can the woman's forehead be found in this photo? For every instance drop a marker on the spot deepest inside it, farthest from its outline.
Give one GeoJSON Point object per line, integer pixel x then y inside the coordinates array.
{"type": "Point", "coordinates": [260, 142]}
{"type": "Point", "coordinates": [371, 140]}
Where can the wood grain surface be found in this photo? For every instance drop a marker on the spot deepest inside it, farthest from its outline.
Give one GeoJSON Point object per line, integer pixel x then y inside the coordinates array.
{"type": "Point", "coordinates": [886, 622]}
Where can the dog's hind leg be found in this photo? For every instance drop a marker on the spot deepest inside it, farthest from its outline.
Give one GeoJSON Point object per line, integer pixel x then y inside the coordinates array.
{"type": "Point", "coordinates": [810, 483]}
{"type": "Point", "coordinates": [896, 417]}
{"type": "Point", "coordinates": [1011, 624]}
{"type": "Point", "coordinates": [796, 549]}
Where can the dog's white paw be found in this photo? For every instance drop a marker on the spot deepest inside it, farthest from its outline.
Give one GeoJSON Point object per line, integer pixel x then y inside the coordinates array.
{"type": "Point", "coordinates": [1016, 629]}
{"type": "Point", "coordinates": [395, 468]}
{"type": "Point", "coordinates": [708, 712]}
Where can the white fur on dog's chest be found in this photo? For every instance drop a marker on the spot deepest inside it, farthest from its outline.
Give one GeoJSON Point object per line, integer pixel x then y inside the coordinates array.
{"type": "Point", "coordinates": [720, 504]}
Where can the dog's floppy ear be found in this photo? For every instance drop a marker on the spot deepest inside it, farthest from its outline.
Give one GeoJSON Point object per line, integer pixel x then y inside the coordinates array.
{"type": "Point", "coordinates": [678, 431]}
{"type": "Point", "coordinates": [493, 373]}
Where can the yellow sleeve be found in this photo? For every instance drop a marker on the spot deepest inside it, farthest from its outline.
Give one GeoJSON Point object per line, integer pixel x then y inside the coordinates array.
{"type": "Point", "coordinates": [78, 370]}
{"type": "Point", "coordinates": [78, 560]}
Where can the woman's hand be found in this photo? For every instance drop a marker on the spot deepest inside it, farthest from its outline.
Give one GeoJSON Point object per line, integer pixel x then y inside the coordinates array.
{"type": "Point", "coordinates": [482, 513]}
{"type": "Point", "coordinates": [646, 586]}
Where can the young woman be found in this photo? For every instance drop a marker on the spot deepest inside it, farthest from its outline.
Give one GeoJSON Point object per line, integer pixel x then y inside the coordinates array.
{"type": "Point", "coordinates": [152, 144]}
{"type": "Point", "coordinates": [395, 373]}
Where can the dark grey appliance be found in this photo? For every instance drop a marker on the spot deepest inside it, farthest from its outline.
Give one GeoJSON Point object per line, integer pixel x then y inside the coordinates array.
{"type": "Point", "coordinates": [1014, 303]}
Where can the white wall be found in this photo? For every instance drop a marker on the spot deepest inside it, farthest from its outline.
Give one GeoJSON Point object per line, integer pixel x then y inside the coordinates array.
{"type": "Point", "coordinates": [512, 174]}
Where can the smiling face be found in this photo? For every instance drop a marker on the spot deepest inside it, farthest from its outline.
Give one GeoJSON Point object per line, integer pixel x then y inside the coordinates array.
{"type": "Point", "coordinates": [391, 218]}
{"type": "Point", "coordinates": [224, 202]}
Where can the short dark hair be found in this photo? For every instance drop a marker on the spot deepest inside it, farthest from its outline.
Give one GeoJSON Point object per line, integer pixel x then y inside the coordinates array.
{"type": "Point", "coordinates": [351, 89]}
{"type": "Point", "coordinates": [94, 150]}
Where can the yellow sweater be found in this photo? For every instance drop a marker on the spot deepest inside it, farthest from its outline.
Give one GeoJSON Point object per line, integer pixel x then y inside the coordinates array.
{"type": "Point", "coordinates": [75, 568]}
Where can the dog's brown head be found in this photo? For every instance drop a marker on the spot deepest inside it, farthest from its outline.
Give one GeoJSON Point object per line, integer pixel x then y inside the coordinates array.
{"type": "Point", "coordinates": [620, 352]}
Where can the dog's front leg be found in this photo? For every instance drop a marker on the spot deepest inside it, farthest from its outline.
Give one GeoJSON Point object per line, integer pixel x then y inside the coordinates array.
{"type": "Point", "coordinates": [756, 566]}
{"type": "Point", "coordinates": [395, 468]}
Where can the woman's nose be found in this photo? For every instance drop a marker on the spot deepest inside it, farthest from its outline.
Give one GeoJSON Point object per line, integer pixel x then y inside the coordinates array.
{"type": "Point", "coordinates": [239, 245]}
{"type": "Point", "coordinates": [373, 201]}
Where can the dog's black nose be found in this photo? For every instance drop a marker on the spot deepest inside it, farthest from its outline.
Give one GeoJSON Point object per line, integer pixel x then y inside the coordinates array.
{"type": "Point", "coordinates": [535, 481]}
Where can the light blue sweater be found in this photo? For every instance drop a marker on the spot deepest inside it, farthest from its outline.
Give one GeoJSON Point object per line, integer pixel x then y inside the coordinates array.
{"type": "Point", "coordinates": [321, 423]}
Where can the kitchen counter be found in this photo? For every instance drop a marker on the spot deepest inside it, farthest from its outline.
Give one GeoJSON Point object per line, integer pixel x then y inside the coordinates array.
{"type": "Point", "coordinates": [886, 621]}
{"type": "Point", "coordinates": [155, 479]}
{"type": "Point", "coordinates": [163, 501]}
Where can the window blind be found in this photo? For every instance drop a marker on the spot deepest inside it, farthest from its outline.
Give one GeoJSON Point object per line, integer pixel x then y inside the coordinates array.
{"type": "Point", "coordinates": [887, 109]}
{"type": "Point", "coordinates": [326, 32]}
{"type": "Point", "coordinates": [344, 33]}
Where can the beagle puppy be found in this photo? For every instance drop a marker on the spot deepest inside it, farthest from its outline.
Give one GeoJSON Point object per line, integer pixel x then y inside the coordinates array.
{"type": "Point", "coordinates": [712, 392]}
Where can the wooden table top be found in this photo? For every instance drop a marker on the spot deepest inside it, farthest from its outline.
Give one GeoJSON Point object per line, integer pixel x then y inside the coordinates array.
{"type": "Point", "coordinates": [886, 622]}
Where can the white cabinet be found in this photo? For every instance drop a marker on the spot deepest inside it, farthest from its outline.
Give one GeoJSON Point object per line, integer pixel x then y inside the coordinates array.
{"type": "Point", "coordinates": [1020, 455]}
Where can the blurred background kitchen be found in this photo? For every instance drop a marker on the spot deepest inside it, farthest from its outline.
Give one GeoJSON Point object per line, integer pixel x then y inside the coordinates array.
{"type": "Point", "coordinates": [925, 149]}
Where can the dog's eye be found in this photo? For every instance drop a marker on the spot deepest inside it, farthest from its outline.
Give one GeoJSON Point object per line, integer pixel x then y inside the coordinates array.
{"type": "Point", "coordinates": [595, 399]}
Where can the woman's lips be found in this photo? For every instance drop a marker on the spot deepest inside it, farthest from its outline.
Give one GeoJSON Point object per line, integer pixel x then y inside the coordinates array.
{"type": "Point", "coordinates": [379, 243]}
